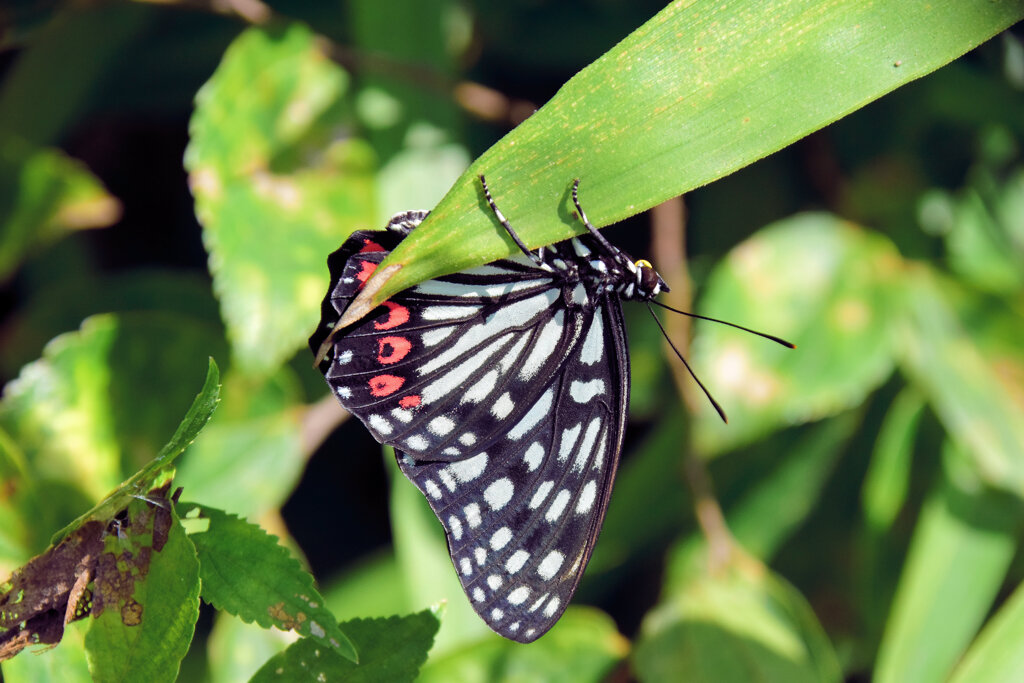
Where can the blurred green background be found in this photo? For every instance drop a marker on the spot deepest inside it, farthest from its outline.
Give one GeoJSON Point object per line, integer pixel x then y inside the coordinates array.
{"type": "Point", "coordinates": [871, 480]}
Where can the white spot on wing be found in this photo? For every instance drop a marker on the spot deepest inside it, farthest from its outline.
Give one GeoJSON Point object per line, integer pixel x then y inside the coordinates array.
{"type": "Point", "coordinates": [550, 565]}
{"type": "Point", "coordinates": [497, 614]}
{"type": "Point", "coordinates": [543, 347]}
{"type": "Point", "coordinates": [482, 388]}
{"type": "Point", "coordinates": [481, 556]}
{"type": "Point", "coordinates": [499, 493]}
{"type": "Point", "coordinates": [455, 526]}
{"type": "Point", "coordinates": [378, 423]}
{"type": "Point", "coordinates": [416, 443]}
{"type": "Point", "coordinates": [593, 343]}
{"type": "Point", "coordinates": [516, 562]}
{"type": "Point", "coordinates": [467, 439]}
{"type": "Point", "coordinates": [557, 506]}
{"type": "Point", "coordinates": [478, 594]}
{"type": "Point", "coordinates": [344, 392]}
{"type": "Point", "coordinates": [541, 494]}
{"type": "Point", "coordinates": [519, 595]}
{"type": "Point", "coordinates": [494, 581]}
{"type": "Point", "coordinates": [472, 515]}
{"type": "Point", "coordinates": [469, 469]}
{"type": "Point", "coordinates": [432, 489]}
{"type": "Point", "coordinates": [533, 415]}
{"type": "Point", "coordinates": [582, 392]}
{"type": "Point", "coordinates": [569, 437]}
{"type": "Point", "coordinates": [552, 606]}
{"type": "Point", "coordinates": [440, 425]}
{"type": "Point", "coordinates": [501, 538]}
{"type": "Point", "coordinates": [466, 566]}
{"type": "Point", "coordinates": [587, 445]}
{"type": "Point", "coordinates": [503, 406]}
{"type": "Point", "coordinates": [437, 335]}
{"type": "Point", "coordinates": [448, 312]}
{"type": "Point", "coordinates": [579, 295]}
{"type": "Point", "coordinates": [343, 357]}
{"type": "Point", "coordinates": [402, 415]}
{"type": "Point", "coordinates": [587, 497]}
{"type": "Point", "coordinates": [534, 455]}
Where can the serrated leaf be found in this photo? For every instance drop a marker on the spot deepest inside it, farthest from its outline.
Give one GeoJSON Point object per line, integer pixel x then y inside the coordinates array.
{"type": "Point", "coordinates": [695, 93]}
{"type": "Point", "coordinates": [276, 189]}
{"type": "Point", "coordinates": [963, 543]}
{"type": "Point", "coordinates": [246, 572]}
{"type": "Point", "coordinates": [820, 283]}
{"type": "Point", "coordinates": [143, 634]}
{"type": "Point", "coordinates": [740, 624]}
{"type": "Point", "coordinates": [583, 646]}
{"type": "Point", "coordinates": [390, 649]}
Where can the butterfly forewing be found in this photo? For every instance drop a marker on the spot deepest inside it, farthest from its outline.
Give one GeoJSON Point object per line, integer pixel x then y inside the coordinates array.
{"type": "Point", "coordinates": [504, 391]}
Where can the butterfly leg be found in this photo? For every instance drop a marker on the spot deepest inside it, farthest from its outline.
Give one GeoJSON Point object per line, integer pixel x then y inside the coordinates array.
{"type": "Point", "coordinates": [536, 258]}
{"type": "Point", "coordinates": [583, 218]}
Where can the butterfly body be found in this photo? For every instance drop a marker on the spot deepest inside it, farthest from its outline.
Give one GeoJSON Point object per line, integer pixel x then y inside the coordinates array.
{"type": "Point", "coordinates": [504, 390]}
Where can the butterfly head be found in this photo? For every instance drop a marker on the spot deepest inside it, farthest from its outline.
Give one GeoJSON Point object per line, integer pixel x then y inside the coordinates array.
{"type": "Point", "coordinates": [648, 283]}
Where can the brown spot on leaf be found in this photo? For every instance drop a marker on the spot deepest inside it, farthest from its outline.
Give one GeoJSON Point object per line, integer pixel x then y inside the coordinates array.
{"type": "Point", "coordinates": [131, 613]}
{"type": "Point", "coordinates": [284, 620]}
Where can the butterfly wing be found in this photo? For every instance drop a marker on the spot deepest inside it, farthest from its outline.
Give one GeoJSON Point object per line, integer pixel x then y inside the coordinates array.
{"type": "Point", "coordinates": [506, 402]}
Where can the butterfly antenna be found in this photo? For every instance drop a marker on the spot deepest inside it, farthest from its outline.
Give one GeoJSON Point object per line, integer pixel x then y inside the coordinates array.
{"type": "Point", "coordinates": [718, 408]}
{"type": "Point", "coordinates": [777, 340]}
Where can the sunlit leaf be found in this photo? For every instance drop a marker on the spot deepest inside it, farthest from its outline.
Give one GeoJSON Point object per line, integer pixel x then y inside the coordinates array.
{"type": "Point", "coordinates": [694, 94]}
{"type": "Point", "coordinates": [818, 282]}
{"type": "Point", "coordinates": [276, 188]}
{"type": "Point", "coordinates": [247, 573]}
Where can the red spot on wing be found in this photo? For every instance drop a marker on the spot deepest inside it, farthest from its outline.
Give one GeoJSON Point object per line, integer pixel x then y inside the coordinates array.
{"type": "Point", "coordinates": [397, 315]}
{"type": "Point", "coordinates": [392, 349]}
{"type": "Point", "coordinates": [366, 272]}
{"type": "Point", "coordinates": [410, 401]}
{"type": "Point", "coordinates": [385, 385]}
{"type": "Point", "coordinates": [370, 245]}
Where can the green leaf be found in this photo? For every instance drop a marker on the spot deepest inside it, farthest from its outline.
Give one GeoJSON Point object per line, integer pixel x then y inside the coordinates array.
{"type": "Point", "coordinates": [583, 646]}
{"type": "Point", "coordinates": [951, 367]}
{"type": "Point", "coordinates": [143, 634]}
{"type": "Point", "coordinates": [249, 458]}
{"type": "Point", "coordinates": [888, 476]}
{"type": "Point", "coordinates": [160, 467]}
{"type": "Point", "coordinates": [246, 572]}
{"type": "Point", "coordinates": [996, 656]}
{"type": "Point", "coordinates": [391, 649]}
{"type": "Point", "coordinates": [741, 624]}
{"type": "Point", "coordinates": [822, 284]}
{"type": "Point", "coordinates": [276, 189]}
{"type": "Point", "coordinates": [44, 193]}
{"type": "Point", "coordinates": [964, 541]}
{"type": "Point", "coordinates": [692, 95]}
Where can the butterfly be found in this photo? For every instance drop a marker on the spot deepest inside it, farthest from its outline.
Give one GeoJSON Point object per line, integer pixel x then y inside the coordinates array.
{"type": "Point", "coordinates": [504, 391]}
